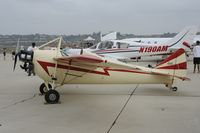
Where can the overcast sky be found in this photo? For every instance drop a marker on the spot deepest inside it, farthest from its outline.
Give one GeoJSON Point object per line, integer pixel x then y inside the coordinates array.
{"type": "Point", "coordinates": [88, 16]}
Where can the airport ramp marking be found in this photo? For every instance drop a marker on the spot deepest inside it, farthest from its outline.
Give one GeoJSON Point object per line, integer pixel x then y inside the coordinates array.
{"type": "Point", "coordinates": [114, 122]}
{"type": "Point", "coordinates": [21, 101]}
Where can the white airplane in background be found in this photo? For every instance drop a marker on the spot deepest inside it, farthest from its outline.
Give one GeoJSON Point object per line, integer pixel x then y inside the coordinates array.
{"type": "Point", "coordinates": [126, 49]}
{"type": "Point", "coordinates": [156, 40]}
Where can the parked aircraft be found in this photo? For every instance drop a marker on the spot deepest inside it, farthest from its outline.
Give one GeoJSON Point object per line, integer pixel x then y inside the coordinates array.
{"type": "Point", "coordinates": [57, 67]}
{"type": "Point", "coordinates": [156, 40]}
{"type": "Point", "coordinates": [125, 49]}
{"type": "Point", "coordinates": [128, 49]}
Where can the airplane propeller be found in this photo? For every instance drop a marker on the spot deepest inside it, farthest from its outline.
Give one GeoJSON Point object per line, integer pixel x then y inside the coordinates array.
{"type": "Point", "coordinates": [25, 57]}
{"type": "Point", "coordinates": [18, 53]}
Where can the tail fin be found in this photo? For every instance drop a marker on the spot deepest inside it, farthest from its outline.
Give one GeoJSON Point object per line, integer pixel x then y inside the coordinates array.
{"type": "Point", "coordinates": [175, 64]}
{"type": "Point", "coordinates": [110, 36]}
{"type": "Point", "coordinates": [183, 39]}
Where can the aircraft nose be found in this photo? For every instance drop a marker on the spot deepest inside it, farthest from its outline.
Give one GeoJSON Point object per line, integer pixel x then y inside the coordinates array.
{"type": "Point", "coordinates": [24, 56]}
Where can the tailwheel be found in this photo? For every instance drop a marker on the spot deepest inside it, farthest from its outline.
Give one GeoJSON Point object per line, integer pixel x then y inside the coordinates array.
{"type": "Point", "coordinates": [52, 96]}
{"type": "Point", "coordinates": [43, 89]}
{"type": "Point", "coordinates": [171, 88]}
{"type": "Point", "coordinates": [174, 88]}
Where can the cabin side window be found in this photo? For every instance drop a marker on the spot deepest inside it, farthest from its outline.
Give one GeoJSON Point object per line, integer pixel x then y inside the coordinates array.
{"type": "Point", "coordinates": [122, 45]}
{"type": "Point", "coordinates": [106, 45]}
{"type": "Point", "coordinates": [101, 45]}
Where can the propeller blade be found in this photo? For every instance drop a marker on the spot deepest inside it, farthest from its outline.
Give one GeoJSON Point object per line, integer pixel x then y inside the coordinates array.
{"type": "Point", "coordinates": [15, 62]}
{"type": "Point", "coordinates": [17, 47]}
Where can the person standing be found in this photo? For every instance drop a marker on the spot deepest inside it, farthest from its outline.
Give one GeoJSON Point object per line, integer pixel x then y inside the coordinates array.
{"type": "Point", "coordinates": [13, 55]}
{"type": "Point", "coordinates": [196, 59]}
{"type": "Point", "coordinates": [31, 65]}
{"type": "Point", "coordinates": [4, 53]}
{"type": "Point", "coordinates": [32, 47]}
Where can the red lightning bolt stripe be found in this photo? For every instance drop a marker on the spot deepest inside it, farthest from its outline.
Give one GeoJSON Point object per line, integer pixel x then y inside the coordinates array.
{"type": "Point", "coordinates": [45, 66]}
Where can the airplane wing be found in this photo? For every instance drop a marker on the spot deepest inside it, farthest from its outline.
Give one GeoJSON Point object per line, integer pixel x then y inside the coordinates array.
{"type": "Point", "coordinates": [81, 60]}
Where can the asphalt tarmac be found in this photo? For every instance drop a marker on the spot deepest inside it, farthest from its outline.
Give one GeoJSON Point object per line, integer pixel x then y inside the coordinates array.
{"type": "Point", "coordinates": [97, 108]}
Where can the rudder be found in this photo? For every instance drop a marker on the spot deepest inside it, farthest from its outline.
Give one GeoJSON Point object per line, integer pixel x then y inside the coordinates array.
{"type": "Point", "coordinates": [175, 64]}
{"type": "Point", "coordinates": [183, 39]}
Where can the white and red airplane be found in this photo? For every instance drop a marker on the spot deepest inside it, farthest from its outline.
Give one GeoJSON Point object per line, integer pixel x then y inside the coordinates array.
{"type": "Point", "coordinates": [130, 49]}
{"type": "Point", "coordinates": [126, 49]}
{"type": "Point", "coordinates": [56, 68]}
{"type": "Point", "coordinates": [156, 40]}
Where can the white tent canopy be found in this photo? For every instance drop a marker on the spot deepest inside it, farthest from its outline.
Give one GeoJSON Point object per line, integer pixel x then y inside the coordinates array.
{"type": "Point", "coordinates": [89, 38]}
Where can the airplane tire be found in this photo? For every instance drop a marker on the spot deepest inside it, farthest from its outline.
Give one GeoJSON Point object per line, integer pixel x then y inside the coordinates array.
{"type": "Point", "coordinates": [52, 97]}
{"type": "Point", "coordinates": [43, 88]}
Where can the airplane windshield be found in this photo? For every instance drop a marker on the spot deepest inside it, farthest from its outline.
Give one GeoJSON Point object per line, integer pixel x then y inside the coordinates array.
{"type": "Point", "coordinates": [64, 52]}
{"type": "Point", "coordinates": [93, 47]}
{"type": "Point", "coordinates": [105, 45]}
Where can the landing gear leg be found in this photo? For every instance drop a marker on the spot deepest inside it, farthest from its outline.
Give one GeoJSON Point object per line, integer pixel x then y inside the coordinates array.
{"type": "Point", "coordinates": [50, 94]}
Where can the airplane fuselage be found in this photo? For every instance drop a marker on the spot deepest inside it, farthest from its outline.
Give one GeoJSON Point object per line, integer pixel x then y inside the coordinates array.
{"type": "Point", "coordinates": [109, 72]}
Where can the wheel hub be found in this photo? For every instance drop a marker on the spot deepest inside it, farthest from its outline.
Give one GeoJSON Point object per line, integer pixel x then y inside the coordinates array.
{"type": "Point", "coordinates": [52, 97]}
